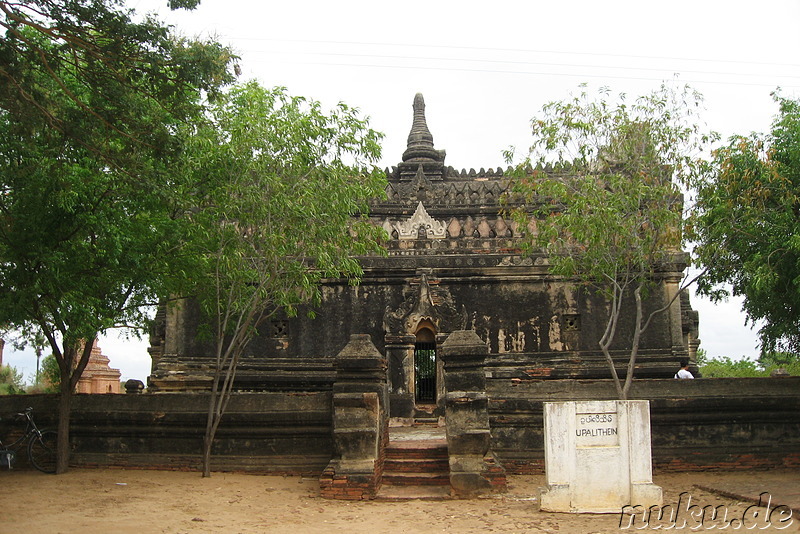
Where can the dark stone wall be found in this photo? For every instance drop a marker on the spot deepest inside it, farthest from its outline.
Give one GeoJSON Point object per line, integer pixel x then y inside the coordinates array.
{"type": "Point", "coordinates": [263, 433]}
{"type": "Point", "coordinates": [534, 326]}
{"type": "Point", "coordinates": [519, 311]}
{"type": "Point", "coordinates": [346, 310]}
{"type": "Point", "coordinates": [539, 316]}
{"type": "Point", "coordinates": [701, 424]}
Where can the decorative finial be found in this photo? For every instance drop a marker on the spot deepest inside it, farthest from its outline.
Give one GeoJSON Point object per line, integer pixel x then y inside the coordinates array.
{"type": "Point", "coordinates": [420, 140]}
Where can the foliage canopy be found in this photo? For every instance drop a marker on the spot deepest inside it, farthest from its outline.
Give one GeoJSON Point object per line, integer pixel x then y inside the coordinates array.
{"type": "Point", "coordinates": [748, 227]}
{"type": "Point", "coordinates": [725, 367]}
{"type": "Point", "coordinates": [604, 197]}
{"type": "Point", "coordinates": [274, 190]}
{"type": "Point", "coordinates": [90, 104]}
{"type": "Point", "coordinates": [11, 381]}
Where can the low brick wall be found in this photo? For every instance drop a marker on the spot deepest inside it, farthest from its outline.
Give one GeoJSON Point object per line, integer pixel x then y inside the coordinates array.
{"type": "Point", "coordinates": [702, 424]}
{"type": "Point", "coordinates": [260, 432]}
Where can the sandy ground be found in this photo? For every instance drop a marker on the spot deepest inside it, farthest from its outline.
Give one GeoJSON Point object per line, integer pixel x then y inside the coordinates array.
{"type": "Point", "coordinates": [119, 501]}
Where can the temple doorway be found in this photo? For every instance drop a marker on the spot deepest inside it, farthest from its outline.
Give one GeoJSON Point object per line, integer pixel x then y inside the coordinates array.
{"type": "Point", "coordinates": [425, 368]}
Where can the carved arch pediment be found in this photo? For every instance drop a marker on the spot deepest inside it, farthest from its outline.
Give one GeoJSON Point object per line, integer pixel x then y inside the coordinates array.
{"type": "Point", "coordinates": [409, 229]}
{"type": "Point", "coordinates": [425, 300]}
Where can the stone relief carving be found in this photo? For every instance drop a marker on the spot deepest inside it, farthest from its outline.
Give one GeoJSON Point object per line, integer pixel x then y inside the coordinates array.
{"type": "Point", "coordinates": [425, 299]}
{"type": "Point", "coordinates": [447, 193]}
{"type": "Point", "coordinates": [463, 226]}
{"type": "Point", "coordinates": [509, 261]}
{"type": "Point", "coordinates": [520, 261]}
{"type": "Point", "coordinates": [410, 229]}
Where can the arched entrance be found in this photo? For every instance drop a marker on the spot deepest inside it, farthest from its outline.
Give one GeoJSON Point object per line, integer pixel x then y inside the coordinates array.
{"type": "Point", "coordinates": [412, 331]}
{"type": "Point", "coordinates": [425, 368]}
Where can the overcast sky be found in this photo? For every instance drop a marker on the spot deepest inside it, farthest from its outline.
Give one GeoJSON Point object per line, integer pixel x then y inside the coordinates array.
{"type": "Point", "coordinates": [486, 69]}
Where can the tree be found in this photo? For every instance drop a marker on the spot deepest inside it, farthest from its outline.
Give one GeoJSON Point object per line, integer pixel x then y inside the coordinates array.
{"type": "Point", "coordinates": [775, 360]}
{"type": "Point", "coordinates": [605, 199]}
{"type": "Point", "coordinates": [748, 227]}
{"type": "Point", "coordinates": [274, 189]}
{"type": "Point", "coordinates": [74, 66]}
{"type": "Point", "coordinates": [725, 367]}
{"type": "Point", "coordinates": [11, 382]}
{"type": "Point", "coordinates": [50, 375]}
{"type": "Point", "coordinates": [89, 110]}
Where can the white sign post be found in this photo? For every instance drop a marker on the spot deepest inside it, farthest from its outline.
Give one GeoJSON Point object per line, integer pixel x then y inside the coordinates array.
{"type": "Point", "coordinates": [597, 457]}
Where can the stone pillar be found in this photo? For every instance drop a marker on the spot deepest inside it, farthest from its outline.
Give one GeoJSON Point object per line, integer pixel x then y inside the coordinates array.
{"type": "Point", "coordinates": [473, 468]}
{"type": "Point", "coordinates": [134, 387]}
{"type": "Point", "coordinates": [694, 344]}
{"type": "Point", "coordinates": [672, 285]}
{"type": "Point", "coordinates": [400, 356]}
{"type": "Point", "coordinates": [441, 391]}
{"type": "Point", "coordinates": [360, 422]}
{"type": "Point", "coordinates": [597, 457]}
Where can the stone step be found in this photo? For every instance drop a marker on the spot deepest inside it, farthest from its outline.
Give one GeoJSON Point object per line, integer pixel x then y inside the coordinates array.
{"type": "Point", "coordinates": [431, 422]}
{"type": "Point", "coordinates": [416, 479]}
{"type": "Point", "coordinates": [425, 410]}
{"type": "Point", "coordinates": [412, 493]}
{"type": "Point", "coordinates": [418, 433]}
{"type": "Point", "coordinates": [416, 465]}
{"type": "Point", "coordinates": [419, 450]}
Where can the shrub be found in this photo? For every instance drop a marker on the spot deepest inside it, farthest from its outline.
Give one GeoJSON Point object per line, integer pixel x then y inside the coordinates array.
{"type": "Point", "coordinates": [11, 382]}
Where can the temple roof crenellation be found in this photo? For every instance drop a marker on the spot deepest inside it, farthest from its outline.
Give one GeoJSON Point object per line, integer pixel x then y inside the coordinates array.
{"type": "Point", "coordinates": [422, 176]}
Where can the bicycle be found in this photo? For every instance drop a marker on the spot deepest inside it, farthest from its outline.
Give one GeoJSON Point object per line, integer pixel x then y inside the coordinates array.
{"type": "Point", "coordinates": [41, 446]}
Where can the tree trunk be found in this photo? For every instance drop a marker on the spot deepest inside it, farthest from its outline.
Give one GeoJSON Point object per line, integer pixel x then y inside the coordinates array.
{"type": "Point", "coordinates": [64, 410]}
{"type": "Point", "coordinates": [216, 409]}
{"type": "Point", "coordinates": [612, 367]}
{"type": "Point", "coordinates": [608, 337]}
{"type": "Point", "coordinates": [208, 440]}
{"type": "Point", "coordinates": [211, 426]}
{"type": "Point", "coordinates": [69, 381]}
{"type": "Point", "coordinates": [215, 402]}
{"type": "Point", "coordinates": [637, 336]}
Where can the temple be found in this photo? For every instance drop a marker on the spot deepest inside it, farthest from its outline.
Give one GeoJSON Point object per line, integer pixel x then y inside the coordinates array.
{"type": "Point", "coordinates": [99, 376]}
{"type": "Point", "coordinates": [435, 371]}
{"type": "Point", "coordinates": [454, 263]}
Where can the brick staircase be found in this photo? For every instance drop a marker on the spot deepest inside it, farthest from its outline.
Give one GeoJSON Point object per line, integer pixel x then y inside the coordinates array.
{"type": "Point", "coordinates": [415, 464]}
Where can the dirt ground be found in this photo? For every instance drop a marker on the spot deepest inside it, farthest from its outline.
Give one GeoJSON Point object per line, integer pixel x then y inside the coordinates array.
{"type": "Point", "coordinates": [119, 501]}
